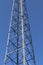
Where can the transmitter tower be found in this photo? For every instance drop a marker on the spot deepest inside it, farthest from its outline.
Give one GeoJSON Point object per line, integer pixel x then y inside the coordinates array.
{"type": "Point", "coordinates": [19, 49]}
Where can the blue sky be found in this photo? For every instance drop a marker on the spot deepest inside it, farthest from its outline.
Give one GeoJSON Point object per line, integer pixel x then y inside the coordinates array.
{"type": "Point", "coordinates": [35, 11]}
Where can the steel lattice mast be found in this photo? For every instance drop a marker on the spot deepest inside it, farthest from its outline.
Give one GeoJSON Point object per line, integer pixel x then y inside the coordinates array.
{"type": "Point", "coordinates": [19, 49]}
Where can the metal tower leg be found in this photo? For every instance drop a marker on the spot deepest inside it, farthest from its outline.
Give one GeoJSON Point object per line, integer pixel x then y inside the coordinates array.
{"type": "Point", "coordinates": [22, 23]}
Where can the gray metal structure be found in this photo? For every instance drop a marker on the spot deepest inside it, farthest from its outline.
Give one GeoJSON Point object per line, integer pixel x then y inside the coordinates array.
{"type": "Point", "coordinates": [19, 49]}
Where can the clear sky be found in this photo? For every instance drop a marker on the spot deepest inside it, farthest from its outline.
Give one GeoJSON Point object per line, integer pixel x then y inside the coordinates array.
{"type": "Point", "coordinates": [35, 11]}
